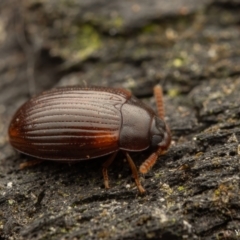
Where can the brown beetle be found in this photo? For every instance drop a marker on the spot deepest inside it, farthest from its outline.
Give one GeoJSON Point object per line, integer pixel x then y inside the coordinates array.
{"type": "Point", "coordinates": [74, 124]}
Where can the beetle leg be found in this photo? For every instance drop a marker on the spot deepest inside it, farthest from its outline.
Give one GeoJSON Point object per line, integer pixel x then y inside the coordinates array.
{"type": "Point", "coordinates": [105, 167]}
{"type": "Point", "coordinates": [135, 173]}
{"type": "Point", "coordinates": [30, 163]}
{"type": "Point", "coordinates": [148, 163]}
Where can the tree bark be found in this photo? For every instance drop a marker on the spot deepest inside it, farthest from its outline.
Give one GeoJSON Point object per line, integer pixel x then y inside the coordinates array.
{"type": "Point", "coordinates": [192, 49]}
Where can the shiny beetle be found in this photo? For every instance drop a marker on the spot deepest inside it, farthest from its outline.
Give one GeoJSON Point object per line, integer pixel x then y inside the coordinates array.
{"type": "Point", "coordinates": [75, 123]}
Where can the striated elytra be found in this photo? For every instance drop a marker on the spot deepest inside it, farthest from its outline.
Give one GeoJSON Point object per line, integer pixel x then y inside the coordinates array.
{"type": "Point", "coordinates": [75, 123]}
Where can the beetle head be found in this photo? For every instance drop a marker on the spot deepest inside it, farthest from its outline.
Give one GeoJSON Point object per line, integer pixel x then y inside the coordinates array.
{"type": "Point", "coordinates": [160, 135]}
{"type": "Point", "coordinates": [160, 140]}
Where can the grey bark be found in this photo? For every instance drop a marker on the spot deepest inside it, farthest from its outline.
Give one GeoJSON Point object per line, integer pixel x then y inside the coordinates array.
{"type": "Point", "coordinates": [192, 48]}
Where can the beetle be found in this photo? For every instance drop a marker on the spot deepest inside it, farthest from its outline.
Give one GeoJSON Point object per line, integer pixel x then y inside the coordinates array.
{"type": "Point", "coordinates": [75, 123]}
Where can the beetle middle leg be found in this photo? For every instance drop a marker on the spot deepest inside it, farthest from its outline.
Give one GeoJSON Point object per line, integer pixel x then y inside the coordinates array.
{"type": "Point", "coordinates": [135, 173]}
{"type": "Point", "coordinates": [105, 167]}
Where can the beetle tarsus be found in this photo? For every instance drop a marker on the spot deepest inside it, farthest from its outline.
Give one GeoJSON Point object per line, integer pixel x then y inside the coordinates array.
{"type": "Point", "coordinates": [135, 173]}
{"type": "Point", "coordinates": [105, 166]}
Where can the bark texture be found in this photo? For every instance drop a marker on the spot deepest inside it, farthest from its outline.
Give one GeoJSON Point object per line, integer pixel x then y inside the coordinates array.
{"type": "Point", "coordinates": [190, 47]}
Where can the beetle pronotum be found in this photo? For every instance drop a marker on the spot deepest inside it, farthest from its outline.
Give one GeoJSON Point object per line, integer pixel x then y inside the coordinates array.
{"type": "Point", "coordinates": [74, 124]}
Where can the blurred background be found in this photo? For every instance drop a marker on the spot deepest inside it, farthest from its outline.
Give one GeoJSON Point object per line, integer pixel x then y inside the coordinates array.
{"type": "Point", "coordinates": [192, 48]}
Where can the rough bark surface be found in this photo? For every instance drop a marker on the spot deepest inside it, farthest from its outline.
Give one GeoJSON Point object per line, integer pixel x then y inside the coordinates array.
{"type": "Point", "coordinates": [193, 49]}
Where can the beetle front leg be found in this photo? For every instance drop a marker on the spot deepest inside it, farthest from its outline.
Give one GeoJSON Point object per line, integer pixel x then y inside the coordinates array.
{"type": "Point", "coordinates": [105, 167]}
{"type": "Point", "coordinates": [135, 173]}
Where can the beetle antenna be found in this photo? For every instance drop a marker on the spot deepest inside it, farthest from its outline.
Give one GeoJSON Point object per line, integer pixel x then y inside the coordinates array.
{"type": "Point", "coordinates": [148, 163]}
{"type": "Point", "coordinates": [158, 94]}
{"type": "Point", "coordinates": [151, 160]}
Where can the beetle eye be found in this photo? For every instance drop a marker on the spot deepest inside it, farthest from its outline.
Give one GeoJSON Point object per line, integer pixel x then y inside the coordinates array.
{"type": "Point", "coordinates": [157, 132]}
{"type": "Point", "coordinates": [156, 139]}
{"type": "Point", "coordinates": [160, 125]}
